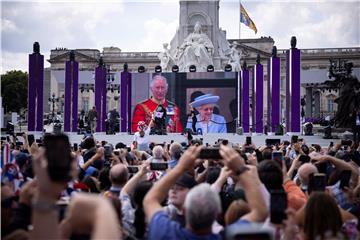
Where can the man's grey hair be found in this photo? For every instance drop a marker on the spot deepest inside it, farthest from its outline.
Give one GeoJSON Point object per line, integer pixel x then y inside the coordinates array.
{"type": "Point", "coordinates": [158, 152]}
{"type": "Point", "coordinates": [202, 205]}
{"type": "Point", "coordinates": [175, 150]}
{"type": "Point", "coordinates": [158, 77]}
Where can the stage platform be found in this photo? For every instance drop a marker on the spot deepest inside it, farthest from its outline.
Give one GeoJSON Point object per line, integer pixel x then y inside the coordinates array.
{"type": "Point", "coordinates": [208, 138]}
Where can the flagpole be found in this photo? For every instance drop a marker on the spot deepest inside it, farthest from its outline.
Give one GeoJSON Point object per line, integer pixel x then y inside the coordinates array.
{"type": "Point", "coordinates": [239, 19]}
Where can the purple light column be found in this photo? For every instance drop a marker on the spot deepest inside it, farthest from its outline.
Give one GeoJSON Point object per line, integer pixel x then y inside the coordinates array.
{"type": "Point", "coordinates": [129, 102]}
{"type": "Point", "coordinates": [293, 90]}
{"type": "Point", "coordinates": [67, 96]}
{"type": "Point", "coordinates": [259, 98]}
{"type": "Point", "coordinates": [273, 93]}
{"type": "Point", "coordinates": [123, 98]}
{"type": "Point", "coordinates": [35, 92]}
{"type": "Point", "coordinates": [32, 91]}
{"type": "Point", "coordinates": [104, 98]}
{"type": "Point", "coordinates": [40, 95]}
{"type": "Point", "coordinates": [100, 89]}
{"type": "Point", "coordinates": [71, 96]}
{"type": "Point", "coordinates": [75, 89]}
{"type": "Point", "coordinates": [245, 100]}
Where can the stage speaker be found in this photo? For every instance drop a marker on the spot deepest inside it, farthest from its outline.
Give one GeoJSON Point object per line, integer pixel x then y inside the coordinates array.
{"type": "Point", "coordinates": [308, 129]}
{"type": "Point", "coordinates": [327, 132]}
{"type": "Point", "coordinates": [240, 131]}
{"type": "Point", "coordinates": [10, 128]}
{"type": "Point", "coordinates": [279, 130]}
{"type": "Point", "coordinates": [57, 128]}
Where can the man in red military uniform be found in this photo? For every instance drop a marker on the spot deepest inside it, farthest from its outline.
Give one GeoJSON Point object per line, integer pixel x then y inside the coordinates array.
{"type": "Point", "coordinates": [144, 110]}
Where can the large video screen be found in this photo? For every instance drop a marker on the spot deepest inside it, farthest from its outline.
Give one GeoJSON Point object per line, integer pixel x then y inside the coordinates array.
{"type": "Point", "coordinates": [213, 95]}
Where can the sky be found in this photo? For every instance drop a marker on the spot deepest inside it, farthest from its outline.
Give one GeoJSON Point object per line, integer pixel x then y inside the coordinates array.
{"type": "Point", "coordinates": [144, 25]}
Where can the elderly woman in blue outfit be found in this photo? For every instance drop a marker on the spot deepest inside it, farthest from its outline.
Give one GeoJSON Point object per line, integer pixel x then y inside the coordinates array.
{"type": "Point", "coordinates": [207, 121]}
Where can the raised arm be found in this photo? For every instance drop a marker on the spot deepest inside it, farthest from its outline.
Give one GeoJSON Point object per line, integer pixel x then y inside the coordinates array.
{"type": "Point", "coordinates": [249, 179]}
{"type": "Point", "coordinates": [153, 199]}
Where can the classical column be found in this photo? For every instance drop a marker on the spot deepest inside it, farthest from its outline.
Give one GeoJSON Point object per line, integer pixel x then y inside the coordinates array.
{"type": "Point", "coordinates": [100, 95]}
{"type": "Point", "coordinates": [71, 94]}
{"type": "Point", "coordinates": [273, 96]}
{"type": "Point", "coordinates": [308, 100]}
{"type": "Point", "coordinates": [293, 89]}
{"type": "Point", "coordinates": [35, 90]}
{"type": "Point", "coordinates": [245, 89]}
{"type": "Point", "coordinates": [258, 96]}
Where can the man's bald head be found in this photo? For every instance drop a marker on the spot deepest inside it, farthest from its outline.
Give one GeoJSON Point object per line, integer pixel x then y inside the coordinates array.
{"type": "Point", "coordinates": [304, 172]}
{"type": "Point", "coordinates": [119, 174]}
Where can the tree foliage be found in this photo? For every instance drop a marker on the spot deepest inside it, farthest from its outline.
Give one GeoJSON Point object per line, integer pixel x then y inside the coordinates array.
{"type": "Point", "coordinates": [14, 90]}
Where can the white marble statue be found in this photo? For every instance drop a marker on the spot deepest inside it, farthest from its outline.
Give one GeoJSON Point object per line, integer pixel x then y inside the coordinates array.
{"type": "Point", "coordinates": [234, 57]}
{"type": "Point", "coordinates": [166, 60]}
{"type": "Point", "coordinates": [224, 46]}
{"type": "Point", "coordinates": [197, 49]}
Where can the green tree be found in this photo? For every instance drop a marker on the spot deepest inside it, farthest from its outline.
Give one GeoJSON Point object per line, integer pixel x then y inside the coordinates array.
{"type": "Point", "coordinates": [14, 86]}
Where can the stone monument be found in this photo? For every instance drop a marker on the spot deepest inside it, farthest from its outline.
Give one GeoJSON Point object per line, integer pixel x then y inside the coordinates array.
{"type": "Point", "coordinates": [199, 31]}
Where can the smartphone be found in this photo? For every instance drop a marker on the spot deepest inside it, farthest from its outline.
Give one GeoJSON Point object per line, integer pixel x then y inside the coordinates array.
{"type": "Point", "coordinates": [38, 141]}
{"type": "Point", "coordinates": [317, 182]}
{"type": "Point", "coordinates": [248, 141]}
{"type": "Point", "coordinates": [277, 156]}
{"type": "Point", "coordinates": [210, 153]}
{"type": "Point", "coordinates": [133, 169]}
{"type": "Point", "coordinates": [75, 147]}
{"type": "Point", "coordinates": [346, 142]}
{"type": "Point", "coordinates": [58, 155]}
{"type": "Point", "coordinates": [31, 139]}
{"type": "Point", "coordinates": [294, 139]}
{"type": "Point", "coordinates": [272, 141]}
{"type": "Point", "coordinates": [304, 159]}
{"type": "Point", "coordinates": [158, 166]}
{"type": "Point", "coordinates": [20, 134]}
{"type": "Point", "coordinates": [345, 179]}
{"type": "Point", "coordinates": [19, 144]}
{"type": "Point", "coordinates": [248, 231]}
{"type": "Point", "coordinates": [278, 206]}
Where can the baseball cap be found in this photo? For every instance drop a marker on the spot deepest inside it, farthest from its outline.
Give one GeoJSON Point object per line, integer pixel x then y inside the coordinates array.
{"type": "Point", "coordinates": [186, 180]}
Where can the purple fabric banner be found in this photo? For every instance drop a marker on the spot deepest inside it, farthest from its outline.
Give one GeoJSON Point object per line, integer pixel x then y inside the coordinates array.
{"type": "Point", "coordinates": [40, 95]}
{"type": "Point", "coordinates": [75, 90]}
{"type": "Point", "coordinates": [71, 96]}
{"type": "Point", "coordinates": [67, 95]}
{"type": "Point", "coordinates": [273, 93]}
{"type": "Point", "coordinates": [245, 100]}
{"type": "Point", "coordinates": [123, 99]}
{"type": "Point", "coordinates": [293, 91]}
{"type": "Point", "coordinates": [104, 102]}
{"type": "Point", "coordinates": [259, 98]}
{"type": "Point", "coordinates": [100, 95]}
{"type": "Point", "coordinates": [129, 102]}
{"type": "Point", "coordinates": [253, 101]}
{"type": "Point", "coordinates": [32, 91]}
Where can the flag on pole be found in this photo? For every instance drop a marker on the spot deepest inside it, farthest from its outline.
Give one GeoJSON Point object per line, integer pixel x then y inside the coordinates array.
{"type": "Point", "coordinates": [245, 19]}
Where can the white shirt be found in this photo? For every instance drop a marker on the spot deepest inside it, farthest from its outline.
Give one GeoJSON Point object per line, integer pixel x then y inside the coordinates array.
{"type": "Point", "coordinates": [142, 142]}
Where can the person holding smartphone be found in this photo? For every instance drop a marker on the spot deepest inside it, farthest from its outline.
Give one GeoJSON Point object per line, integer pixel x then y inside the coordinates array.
{"type": "Point", "coordinates": [141, 137]}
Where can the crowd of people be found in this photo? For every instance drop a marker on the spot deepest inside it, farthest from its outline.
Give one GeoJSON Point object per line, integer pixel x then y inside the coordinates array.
{"type": "Point", "coordinates": [190, 190]}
